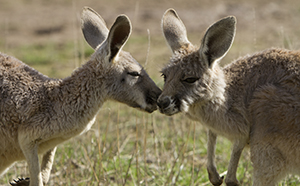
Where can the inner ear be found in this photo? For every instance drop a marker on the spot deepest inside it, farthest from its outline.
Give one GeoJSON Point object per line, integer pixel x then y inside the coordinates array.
{"type": "Point", "coordinates": [218, 39]}
{"type": "Point", "coordinates": [119, 37]}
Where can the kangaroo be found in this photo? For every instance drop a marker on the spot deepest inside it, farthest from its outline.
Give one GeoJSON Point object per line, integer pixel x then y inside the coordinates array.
{"type": "Point", "coordinates": [253, 101]}
{"type": "Point", "coordinates": [37, 112]}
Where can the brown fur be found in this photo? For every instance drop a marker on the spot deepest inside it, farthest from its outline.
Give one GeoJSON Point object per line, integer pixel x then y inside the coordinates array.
{"type": "Point", "coordinates": [37, 113]}
{"type": "Point", "coordinates": [254, 100]}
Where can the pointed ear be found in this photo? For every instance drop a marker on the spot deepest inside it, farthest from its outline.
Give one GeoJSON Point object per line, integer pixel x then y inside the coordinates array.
{"type": "Point", "coordinates": [118, 35]}
{"type": "Point", "coordinates": [93, 27]}
{"type": "Point", "coordinates": [218, 40]}
{"type": "Point", "coordinates": [174, 30]}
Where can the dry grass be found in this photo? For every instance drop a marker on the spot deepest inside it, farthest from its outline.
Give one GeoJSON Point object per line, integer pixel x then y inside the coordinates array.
{"type": "Point", "coordinates": [126, 146]}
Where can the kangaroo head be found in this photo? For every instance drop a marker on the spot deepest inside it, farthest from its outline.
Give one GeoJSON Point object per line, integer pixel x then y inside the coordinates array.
{"type": "Point", "coordinates": [125, 79]}
{"type": "Point", "coordinates": [193, 75]}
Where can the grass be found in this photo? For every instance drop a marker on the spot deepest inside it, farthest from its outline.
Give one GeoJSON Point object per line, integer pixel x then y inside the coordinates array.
{"type": "Point", "coordinates": [126, 146]}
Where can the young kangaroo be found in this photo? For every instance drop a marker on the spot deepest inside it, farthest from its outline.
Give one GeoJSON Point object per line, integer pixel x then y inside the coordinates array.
{"type": "Point", "coordinates": [37, 113]}
{"type": "Point", "coordinates": [254, 100]}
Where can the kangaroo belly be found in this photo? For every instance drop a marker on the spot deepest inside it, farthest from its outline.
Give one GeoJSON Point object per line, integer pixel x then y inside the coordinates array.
{"type": "Point", "coordinates": [50, 143]}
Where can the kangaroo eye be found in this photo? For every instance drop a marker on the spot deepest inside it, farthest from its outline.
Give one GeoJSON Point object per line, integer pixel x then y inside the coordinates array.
{"type": "Point", "coordinates": [133, 73]}
{"type": "Point", "coordinates": [191, 80]}
{"type": "Point", "coordinates": [164, 76]}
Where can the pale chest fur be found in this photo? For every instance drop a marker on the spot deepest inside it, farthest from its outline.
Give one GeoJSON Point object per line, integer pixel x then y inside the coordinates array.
{"type": "Point", "coordinates": [215, 117]}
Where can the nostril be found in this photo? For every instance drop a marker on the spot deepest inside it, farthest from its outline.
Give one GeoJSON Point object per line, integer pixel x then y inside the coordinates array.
{"type": "Point", "coordinates": [164, 102]}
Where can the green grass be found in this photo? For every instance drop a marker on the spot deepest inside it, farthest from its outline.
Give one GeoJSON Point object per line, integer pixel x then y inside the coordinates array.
{"type": "Point", "coordinates": [126, 146]}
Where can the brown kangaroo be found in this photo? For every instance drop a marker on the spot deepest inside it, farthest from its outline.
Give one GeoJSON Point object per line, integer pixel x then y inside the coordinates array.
{"type": "Point", "coordinates": [37, 112]}
{"type": "Point", "coordinates": [253, 101]}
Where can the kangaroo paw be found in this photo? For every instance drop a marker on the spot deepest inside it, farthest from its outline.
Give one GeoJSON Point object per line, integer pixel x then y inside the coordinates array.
{"type": "Point", "coordinates": [216, 181]}
{"type": "Point", "coordinates": [20, 182]}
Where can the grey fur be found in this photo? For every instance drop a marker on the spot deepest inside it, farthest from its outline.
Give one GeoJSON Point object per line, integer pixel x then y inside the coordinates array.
{"type": "Point", "coordinates": [252, 101]}
{"type": "Point", "coordinates": [37, 112]}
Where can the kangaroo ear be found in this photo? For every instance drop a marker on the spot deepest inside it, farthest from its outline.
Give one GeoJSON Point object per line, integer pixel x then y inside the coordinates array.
{"type": "Point", "coordinates": [218, 40]}
{"type": "Point", "coordinates": [118, 35]}
{"type": "Point", "coordinates": [174, 30]}
{"type": "Point", "coordinates": [93, 27]}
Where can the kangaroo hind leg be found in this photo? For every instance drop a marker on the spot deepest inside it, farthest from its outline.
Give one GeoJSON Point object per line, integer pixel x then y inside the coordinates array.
{"type": "Point", "coordinates": [268, 164]}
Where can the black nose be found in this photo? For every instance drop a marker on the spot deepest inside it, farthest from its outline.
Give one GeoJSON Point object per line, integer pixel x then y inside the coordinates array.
{"type": "Point", "coordinates": [164, 102]}
{"type": "Point", "coordinates": [152, 96]}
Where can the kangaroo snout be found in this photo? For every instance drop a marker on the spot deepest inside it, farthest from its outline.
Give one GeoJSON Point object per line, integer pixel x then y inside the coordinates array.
{"type": "Point", "coordinates": [151, 99]}
{"type": "Point", "coordinates": [163, 102]}
{"type": "Point", "coordinates": [168, 105]}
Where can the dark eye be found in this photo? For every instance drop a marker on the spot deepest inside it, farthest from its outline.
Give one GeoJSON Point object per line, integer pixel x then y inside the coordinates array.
{"type": "Point", "coordinates": [133, 73]}
{"type": "Point", "coordinates": [191, 80]}
{"type": "Point", "coordinates": [164, 76]}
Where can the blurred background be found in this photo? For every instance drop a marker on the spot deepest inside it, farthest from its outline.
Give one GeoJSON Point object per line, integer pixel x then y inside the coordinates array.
{"type": "Point", "coordinates": [125, 146]}
{"type": "Point", "coordinates": [261, 24]}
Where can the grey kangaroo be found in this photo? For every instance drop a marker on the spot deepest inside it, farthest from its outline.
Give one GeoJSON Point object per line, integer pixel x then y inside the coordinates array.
{"type": "Point", "coordinates": [253, 101]}
{"type": "Point", "coordinates": [37, 112]}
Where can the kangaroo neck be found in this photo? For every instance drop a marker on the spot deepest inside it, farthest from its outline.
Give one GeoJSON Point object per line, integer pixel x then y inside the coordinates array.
{"type": "Point", "coordinates": [83, 93]}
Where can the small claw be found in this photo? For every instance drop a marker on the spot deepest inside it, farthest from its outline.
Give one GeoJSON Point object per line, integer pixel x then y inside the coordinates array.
{"type": "Point", "coordinates": [20, 182]}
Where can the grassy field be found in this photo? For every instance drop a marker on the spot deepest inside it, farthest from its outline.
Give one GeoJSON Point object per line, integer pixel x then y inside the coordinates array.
{"type": "Point", "coordinates": [126, 146]}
